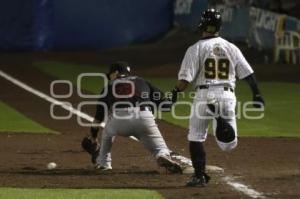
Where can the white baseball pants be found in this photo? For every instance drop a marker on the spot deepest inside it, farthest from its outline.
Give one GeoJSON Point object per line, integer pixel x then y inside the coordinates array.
{"type": "Point", "coordinates": [201, 116]}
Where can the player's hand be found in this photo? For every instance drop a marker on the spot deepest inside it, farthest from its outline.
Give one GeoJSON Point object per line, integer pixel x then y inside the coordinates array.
{"type": "Point", "coordinates": [258, 101]}
{"type": "Point", "coordinates": [174, 95]}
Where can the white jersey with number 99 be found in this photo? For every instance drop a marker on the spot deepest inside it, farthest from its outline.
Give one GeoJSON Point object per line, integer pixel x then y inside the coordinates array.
{"type": "Point", "coordinates": [214, 61]}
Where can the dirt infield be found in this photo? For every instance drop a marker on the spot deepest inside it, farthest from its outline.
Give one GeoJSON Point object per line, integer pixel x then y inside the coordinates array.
{"type": "Point", "coordinates": [269, 165]}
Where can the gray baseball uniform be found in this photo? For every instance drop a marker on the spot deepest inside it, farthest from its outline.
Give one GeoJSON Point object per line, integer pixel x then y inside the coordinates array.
{"type": "Point", "coordinates": [129, 101]}
{"type": "Point", "coordinates": [132, 122]}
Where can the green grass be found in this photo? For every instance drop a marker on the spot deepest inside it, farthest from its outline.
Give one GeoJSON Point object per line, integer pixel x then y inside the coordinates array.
{"type": "Point", "coordinates": [71, 72]}
{"type": "Point", "coordinates": [282, 100]}
{"type": "Point", "coordinates": [13, 121]}
{"type": "Point", "coordinates": [18, 193]}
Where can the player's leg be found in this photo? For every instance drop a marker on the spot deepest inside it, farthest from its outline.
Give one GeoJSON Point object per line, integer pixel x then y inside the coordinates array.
{"type": "Point", "coordinates": [224, 125]}
{"type": "Point", "coordinates": [146, 130]}
{"type": "Point", "coordinates": [103, 161]}
{"type": "Point", "coordinates": [198, 157]}
{"type": "Point", "coordinates": [120, 124]}
{"type": "Point", "coordinates": [226, 135]}
{"type": "Point", "coordinates": [198, 128]}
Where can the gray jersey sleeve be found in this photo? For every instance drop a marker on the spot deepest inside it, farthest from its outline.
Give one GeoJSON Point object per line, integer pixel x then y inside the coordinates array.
{"type": "Point", "coordinates": [189, 65]}
{"type": "Point", "coordinates": [243, 68]}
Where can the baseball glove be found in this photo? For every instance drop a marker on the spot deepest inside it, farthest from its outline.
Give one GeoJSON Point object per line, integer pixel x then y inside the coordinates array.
{"type": "Point", "coordinates": [91, 146]}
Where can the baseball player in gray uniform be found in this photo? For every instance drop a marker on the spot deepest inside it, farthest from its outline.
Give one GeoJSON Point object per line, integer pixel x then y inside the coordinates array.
{"type": "Point", "coordinates": [125, 106]}
{"type": "Point", "coordinates": [212, 65]}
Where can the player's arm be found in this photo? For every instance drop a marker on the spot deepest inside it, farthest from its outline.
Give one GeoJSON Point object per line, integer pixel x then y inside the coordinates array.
{"type": "Point", "coordinates": [257, 98]}
{"type": "Point", "coordinates": [90, 142]}
{"type": "Point", "coordinates": [187, 72]}
{"type": "Point", "coordinates": [245, 72]}
{"type": "Point", "coordinates": [99, 117]}
{"type": "Point", "coordinates": [159, 98]}
{"type": "Point", "coordinates": [103, 106]}
{"type": "Point", "coordinates": [180, 86]}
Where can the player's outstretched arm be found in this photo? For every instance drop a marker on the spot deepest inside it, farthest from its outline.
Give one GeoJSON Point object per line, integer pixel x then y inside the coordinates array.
{"type": "Point", "coordinates": [90, 142]}
{"type": "Point", "coordinates": [159, 98]}
{"type": "Point", "coordinates": [257, 97]}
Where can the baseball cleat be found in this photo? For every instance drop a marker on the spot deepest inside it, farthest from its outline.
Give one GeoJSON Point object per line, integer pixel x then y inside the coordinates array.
{"type": "Point", "coordinates": [198, 181]}
{"type": "Point", "coordinates": [170, 165]}
{"type": "Point", "coordinates": [103, 168]}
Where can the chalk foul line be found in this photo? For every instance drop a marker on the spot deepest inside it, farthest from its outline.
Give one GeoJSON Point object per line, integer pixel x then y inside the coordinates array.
{"type": "Point", "coordinates": [243, 188]}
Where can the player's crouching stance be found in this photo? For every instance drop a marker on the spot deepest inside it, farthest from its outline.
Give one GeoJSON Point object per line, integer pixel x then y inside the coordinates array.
{"type": "Point", "coordinates": [212, 64]}
{"type": "Point", "coordinates": [127, 100]}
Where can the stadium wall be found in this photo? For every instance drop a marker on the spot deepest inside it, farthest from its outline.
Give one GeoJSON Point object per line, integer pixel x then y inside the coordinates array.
{"type": "Point", "coordinates": [258, 27]}
{"type": "Point", "coordinates": [84, 25]}
{"type": "Point", "coordinates": [187, 12]}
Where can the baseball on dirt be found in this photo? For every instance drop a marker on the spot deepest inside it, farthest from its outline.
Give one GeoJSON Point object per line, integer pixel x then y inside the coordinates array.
{"type": "Point", "coordinates": [51, 165]}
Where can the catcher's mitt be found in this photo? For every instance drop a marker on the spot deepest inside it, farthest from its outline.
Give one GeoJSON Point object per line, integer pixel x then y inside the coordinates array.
{"type": "Point", "coordinates": [91, 146]}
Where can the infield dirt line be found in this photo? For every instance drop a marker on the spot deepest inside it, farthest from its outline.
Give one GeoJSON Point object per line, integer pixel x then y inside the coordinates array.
{"type": "Point", "coordinates": [228, 180]}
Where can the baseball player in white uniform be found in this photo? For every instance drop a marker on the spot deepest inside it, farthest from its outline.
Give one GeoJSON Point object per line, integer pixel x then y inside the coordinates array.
{"type": "Point", "coordinates": [212, 65]}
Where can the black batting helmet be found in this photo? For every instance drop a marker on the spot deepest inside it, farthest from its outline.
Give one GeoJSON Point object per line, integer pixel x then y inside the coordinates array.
{"type": "Point", "coordinates": [120, 66]}
{"type": "Point", "coordinates": [210, 21]}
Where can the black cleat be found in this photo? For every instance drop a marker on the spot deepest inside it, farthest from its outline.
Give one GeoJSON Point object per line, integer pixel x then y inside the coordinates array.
{"type": "Point", "coordinates": [198, 181]}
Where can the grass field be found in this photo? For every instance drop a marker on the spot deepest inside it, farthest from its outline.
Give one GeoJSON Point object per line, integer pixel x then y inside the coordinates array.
{"type": "Point", "coordinates": [13, 121]}
{"type": "Point", "coordinates": [282, 99]}
{"type": "Point", "coordinates": [18, 193]}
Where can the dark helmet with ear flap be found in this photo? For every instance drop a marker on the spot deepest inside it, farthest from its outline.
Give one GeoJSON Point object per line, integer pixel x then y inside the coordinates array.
{"type": "Point", "coordinates": [210, 21]}
{"type": "Point", "coordinates": [122, 67]}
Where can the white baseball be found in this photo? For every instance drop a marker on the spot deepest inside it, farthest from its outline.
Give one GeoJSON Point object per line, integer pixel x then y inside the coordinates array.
{"type": "Point", "coordinates": [51, 165]}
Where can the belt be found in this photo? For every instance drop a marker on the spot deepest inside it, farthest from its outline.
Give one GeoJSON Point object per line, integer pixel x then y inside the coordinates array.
{"type": "Point", "coordinates": [226, 88]}
{"type": "Point", "coordinates": [144, 108]}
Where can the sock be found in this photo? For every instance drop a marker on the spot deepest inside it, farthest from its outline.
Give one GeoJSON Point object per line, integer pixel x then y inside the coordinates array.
{"type": "Point", "coordinates": [198, 157]}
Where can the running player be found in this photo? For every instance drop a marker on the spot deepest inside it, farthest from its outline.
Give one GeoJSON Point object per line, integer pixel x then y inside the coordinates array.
{"type": "Point", "coordinates": [212, 65]}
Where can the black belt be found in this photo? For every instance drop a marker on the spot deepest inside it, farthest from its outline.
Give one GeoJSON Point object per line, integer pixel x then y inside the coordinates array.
{"type": "Point", "coordinates": [145, 108]}
{"type": "Point", "coordinates": [226, 88]}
